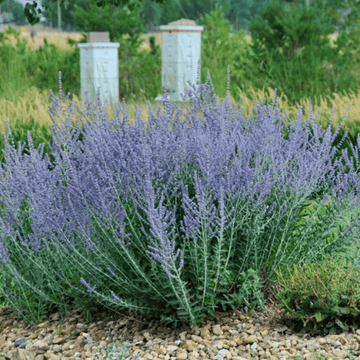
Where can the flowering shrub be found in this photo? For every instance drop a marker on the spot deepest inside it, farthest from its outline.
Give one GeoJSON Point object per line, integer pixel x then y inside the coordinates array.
{"type": "Point", "coordinates": [163, 220]}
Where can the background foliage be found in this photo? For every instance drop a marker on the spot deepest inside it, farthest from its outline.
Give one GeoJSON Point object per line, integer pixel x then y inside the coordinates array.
{"type": "Point", "coordinates": [277, 38]}
{"type": "Point", "coordinates": [343, 14]}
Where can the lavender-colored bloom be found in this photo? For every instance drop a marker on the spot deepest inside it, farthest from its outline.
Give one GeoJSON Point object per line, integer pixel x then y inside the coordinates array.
{"type": "Point", "coordinates": [4, 256]}
{"type": "Point", "coordinates": [110, 271]}
{"type": "Point", "coordinates": [59, 276]}
{"type": "Point", "coordinates": [115, 297]}
{"type": "Point", "coordinates": [88, 287]}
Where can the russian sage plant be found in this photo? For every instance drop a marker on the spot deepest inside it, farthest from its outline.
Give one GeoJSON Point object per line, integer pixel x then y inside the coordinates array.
{"type": "Point", "coordinates": [167, 221]}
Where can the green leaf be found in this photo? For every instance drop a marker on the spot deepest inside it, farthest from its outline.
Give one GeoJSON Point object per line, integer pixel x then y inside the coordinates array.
{"type": "Point", "coordinates": [338, 322]}
{"type": "Point", "coordinates": [318, 316]}
{"type": "Point", "coordinates": [344, 310]}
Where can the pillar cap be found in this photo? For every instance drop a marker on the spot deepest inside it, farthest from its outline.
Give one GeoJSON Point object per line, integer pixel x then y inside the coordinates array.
{"type": "Point", "coordinates": [96, 37]}
{"type": "Point", "coordinates": [182, 25]}
{"type": "Point", "coordinates": [184, 22]}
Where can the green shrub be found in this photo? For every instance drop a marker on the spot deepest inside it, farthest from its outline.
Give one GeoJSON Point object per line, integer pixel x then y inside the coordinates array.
{"type": "Point", "coordinates": [320, 300]}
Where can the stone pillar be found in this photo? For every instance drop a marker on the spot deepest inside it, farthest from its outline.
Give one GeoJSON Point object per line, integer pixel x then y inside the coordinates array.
{"type": "Point", "coordinates": [99, 67]}
{"type": "Point", "coordinates": [180, 54]}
